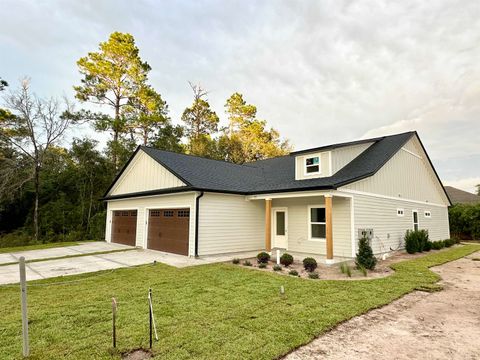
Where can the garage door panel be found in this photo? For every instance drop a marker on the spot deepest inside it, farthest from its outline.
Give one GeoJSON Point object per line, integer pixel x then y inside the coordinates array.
{"type": "Point", "coordinates": [124, 227]}
{"type": "Point", "coordinates": [168, 230]}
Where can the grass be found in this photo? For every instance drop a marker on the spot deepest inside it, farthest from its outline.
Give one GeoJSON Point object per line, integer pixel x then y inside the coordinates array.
{"type": "Point", "coordinates": [219, 311]}
{"type": "Point", "coordinates": [38, 246]}
{"type": "Point", "coordinates": [70, 256]}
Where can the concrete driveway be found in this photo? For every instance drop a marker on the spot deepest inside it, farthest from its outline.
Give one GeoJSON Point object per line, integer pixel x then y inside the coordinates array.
{"type": "Point", "coordinates": [9, 274]}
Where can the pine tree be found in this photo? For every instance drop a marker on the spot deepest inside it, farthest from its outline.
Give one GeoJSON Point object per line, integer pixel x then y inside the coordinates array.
{"type": "Point", "coordinates": [365, 257]}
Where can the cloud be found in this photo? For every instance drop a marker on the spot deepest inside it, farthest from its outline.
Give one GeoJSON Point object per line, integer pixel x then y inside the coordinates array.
{"type": "Point", "coordinates": [318, 71]}
{"type": "Point", "coordinates": [469, 184]}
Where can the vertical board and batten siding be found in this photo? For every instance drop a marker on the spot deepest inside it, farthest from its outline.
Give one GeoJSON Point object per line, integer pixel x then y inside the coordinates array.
{"type": "Point", "coordinates": [324, 165]}
{"type": "Point", "coordinates": [230, 223]}
{"type": "Point", "coordinates": [380, 214]}
{"type": "Point", "coordinates": [143, 204]}
{"type": "Point", "coordinates": [404, 176]}
{"type": "Point", "coordinates": [298, 224]}
{"type": "Point", "coordinates": [143, 174]}
{"type": "Point", "coordinates": [343, 155]}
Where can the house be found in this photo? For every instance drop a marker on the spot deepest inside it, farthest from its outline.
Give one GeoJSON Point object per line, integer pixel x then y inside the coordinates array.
{"type": "Point", "coordinates": [316, 201]}
{"type": "Point", "coordinates": [458, 196]}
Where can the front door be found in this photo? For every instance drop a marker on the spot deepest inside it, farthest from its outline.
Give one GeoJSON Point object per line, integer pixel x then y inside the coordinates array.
{"type": "Point", "coordinates": [280, 228]}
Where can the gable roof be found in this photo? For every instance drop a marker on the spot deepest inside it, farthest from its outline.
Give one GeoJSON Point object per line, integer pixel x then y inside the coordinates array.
{"type": "Point", "coordinates": [270, 175]}
{"type": "Point", "coordinates": [458, 196]}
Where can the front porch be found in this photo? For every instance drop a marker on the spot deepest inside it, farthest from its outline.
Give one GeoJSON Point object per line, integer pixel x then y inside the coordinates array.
{"type": "Point", "coordinates": [315, 224]}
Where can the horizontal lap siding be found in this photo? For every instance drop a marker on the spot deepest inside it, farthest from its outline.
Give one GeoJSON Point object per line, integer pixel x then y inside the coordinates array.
{"type": "Point", "coordinates": [343, 155]}
{"type": "Point", "coordinates": [230, 223]}
{"type": "Point", "coordinates": [143, 204]}
{"type": "Point", "coordinates": [389, 229]}
{"type": "Point", "coordinates": [298, 223]}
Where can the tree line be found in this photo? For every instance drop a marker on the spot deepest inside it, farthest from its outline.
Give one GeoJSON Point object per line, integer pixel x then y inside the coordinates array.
{"type": "Point", "coordinates": [50, 191]}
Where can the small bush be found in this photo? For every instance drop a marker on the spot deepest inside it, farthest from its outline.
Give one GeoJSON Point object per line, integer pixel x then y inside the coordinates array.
{"type": "Point", "coordinates": [262, 265]}
{"type": "Point", "coordinates": [428, 246]}
{"type": "Point", "coordinates": [236, 261]}
{"type": "Point", "coordinates": [286, 260]}
{"type": "Point", "coordinates": [247, 263]}
{"type": "Point", "coordinates": [313, 275]}
{"type": "Point", "coordinates": [415, 240]}
{"type": "Point", "coordinates": [293, 272]}
{"type": "Point", "coordinates": [449, 242]}
{"type": "Point", "coordinates": [345, 269]}
{"type": "Point", "coordinates": [263, 257]}
{"type": "Point", "coordinates": [310, 264]}
{"type": "Point", "coordinates": [437, 245]}
{"type": "Point", "coordinates": [365, 255]}
{"type": "Point", "coordinates": [277, 267]}
{"type": "Point", "coordinates": [363, 270]}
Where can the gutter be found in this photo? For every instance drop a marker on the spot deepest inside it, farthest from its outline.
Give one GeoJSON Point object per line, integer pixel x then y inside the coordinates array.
{"type": "Point", "coordinates": [197, 213]}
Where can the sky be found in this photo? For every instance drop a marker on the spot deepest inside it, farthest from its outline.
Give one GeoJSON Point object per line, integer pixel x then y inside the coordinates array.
{"type": "Point", "coordinates": [318, 71]}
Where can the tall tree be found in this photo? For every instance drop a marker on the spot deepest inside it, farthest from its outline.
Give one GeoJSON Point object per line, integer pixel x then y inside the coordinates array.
{"type": "Point", "coordinates": [146, 113]}
{"type": "Point", "coordinates": [112, 76]}
{"type": "Point", "coordinates": [478, 189]}
{"type": "Point", "coordinates": [3, 84]}
{"type": "Point", "coordinates": [32, 127]}
{"type": "Point", "coordinates": [200, 122]}
{"type": "Point", "coordinates": [248, 138]}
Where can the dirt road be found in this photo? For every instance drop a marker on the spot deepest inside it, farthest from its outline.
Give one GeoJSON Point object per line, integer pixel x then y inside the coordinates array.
{"type": "Point", "coordinates": [441, 325]}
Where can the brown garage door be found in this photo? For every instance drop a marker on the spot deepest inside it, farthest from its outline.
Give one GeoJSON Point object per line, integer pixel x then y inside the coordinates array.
{"type": "Point", "coordinates": [124, 227]}
{"type": "Point", "coordinates": [168, 230]}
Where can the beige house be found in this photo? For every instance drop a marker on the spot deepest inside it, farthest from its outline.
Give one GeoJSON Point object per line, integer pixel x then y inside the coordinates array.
{"type": "Point", "coordinates": [316, 201]}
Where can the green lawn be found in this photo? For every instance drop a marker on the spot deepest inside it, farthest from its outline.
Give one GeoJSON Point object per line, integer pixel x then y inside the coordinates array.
{"type": "Point", "coordinates": [39, 246]}
{"type": "Point", "coordinates": [219, 311]}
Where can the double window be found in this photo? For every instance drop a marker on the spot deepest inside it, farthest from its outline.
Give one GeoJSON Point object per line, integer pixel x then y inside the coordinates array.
{"type": "Point", "coordinates": [317, 225]}
{"type": "Point", "coordinates": [312, 165]}
{"type": "Point", "coordinates": [428, 214]}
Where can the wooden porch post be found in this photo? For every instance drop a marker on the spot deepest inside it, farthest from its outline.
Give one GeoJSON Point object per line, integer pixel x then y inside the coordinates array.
{"type": "Point", "coordinates": [268, 225]}
{"type": "Point", "coordinates": [329, 228]}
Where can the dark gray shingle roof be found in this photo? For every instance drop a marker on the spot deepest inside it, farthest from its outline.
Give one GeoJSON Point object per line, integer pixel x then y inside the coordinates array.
{"type": "Point", "coordinates": [458, 196]}
{"type": "Point", "coordinates": [274, 175]}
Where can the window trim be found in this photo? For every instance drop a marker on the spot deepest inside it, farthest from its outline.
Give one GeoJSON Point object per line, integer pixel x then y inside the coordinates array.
{"type": "Point", "coordinates": [413, 220]}
{"type": "Point", "coordinates": [402, 210]}
{"type": "Point", "coordinates": [310, 223]}
{"type": "Point", "coordinates": [429, 216]}
{"type": "Point", "coordinates": [305, 166]}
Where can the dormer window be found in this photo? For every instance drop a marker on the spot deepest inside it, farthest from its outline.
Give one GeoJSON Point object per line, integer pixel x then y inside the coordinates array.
{"type": "Point", "coordinates": [312, 165]}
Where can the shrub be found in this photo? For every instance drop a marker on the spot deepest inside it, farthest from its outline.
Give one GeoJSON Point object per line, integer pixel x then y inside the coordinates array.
{"type": "Point", "coordinates": [293, 272]}
{"type": "Point", "coordinates": [365, 255]}
{"type": "Point", "coordinates": [313, 275]}
{"type": "Point", "coordinates": [262, 265]}
{"type": "Point", "coordinates": [363, 270]}
{"type": "Point", "coordinates": [465, 221]}
{"type": "Point", "coordinates": [263, 257]}
{"type": "Point", "coordinates": [310, 264]}
{"type": "Point", "coordinates": [437, 245]}
{"type": "Point", "coordinates": [277, 267]}
{"type": "Point", "coordinates": [449, 242]}
{"type": "Point", "coordinates": [236, 261]}
{"type": "Point", "coordinates": [286, 260]}
{"type": "Point", "coordinates": [345, 269]}
{"type": "Point", "coordinates": [247, 263]}
{"type": "Point", "coordinates": [428, 246]}
{"type": "Point", "coordinates": [415, 240]}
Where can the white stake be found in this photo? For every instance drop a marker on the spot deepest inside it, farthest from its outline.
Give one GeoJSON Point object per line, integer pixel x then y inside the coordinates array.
{"type": "Point", "coordinates": [23, 294]}
{"type": "Point", "coordinates": [151, 310]}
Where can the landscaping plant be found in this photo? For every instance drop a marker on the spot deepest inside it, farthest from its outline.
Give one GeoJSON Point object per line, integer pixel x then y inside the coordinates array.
{"type": "Point", "coordinates": [247, 263]}
{"type": "Point", "coordinates": [263, 257]}
{"type": "Point", "coordinates": [416, 240]}
{"type": "Point", "coordinates": [277, 267]}
{"type": "Point", "coordinates": [365, 255]}
{"type": "Point", "coordinates": [286, 260]}
{"type": "Point", "coordinates": [236, 261]}
{"type": "Point", "coordinates": [363, 270]}
{"type": "Point", "coordinates": [295, 272]}
{"type": "Point", "coordinates": [262, 265]}
{"type": "Point", "coordinates": [310, 264]}
{"type": "Point", "coordinates": [313, 275]}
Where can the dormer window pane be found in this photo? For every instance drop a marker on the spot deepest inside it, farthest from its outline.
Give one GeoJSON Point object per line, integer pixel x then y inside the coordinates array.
{"type": "Point", "coordinates": [312, 165]}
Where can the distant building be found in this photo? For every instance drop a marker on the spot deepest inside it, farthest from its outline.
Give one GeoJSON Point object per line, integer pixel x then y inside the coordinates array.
{"type": "Point", "coordinates": [458, 196]}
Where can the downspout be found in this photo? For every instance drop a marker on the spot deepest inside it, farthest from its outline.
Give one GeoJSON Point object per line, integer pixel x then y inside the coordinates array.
{"type": "Point", "coordinates": [197, 207]}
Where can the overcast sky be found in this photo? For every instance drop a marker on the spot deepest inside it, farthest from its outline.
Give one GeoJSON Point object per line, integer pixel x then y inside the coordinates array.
{"type": "Point", "coordinates": [318, 71]}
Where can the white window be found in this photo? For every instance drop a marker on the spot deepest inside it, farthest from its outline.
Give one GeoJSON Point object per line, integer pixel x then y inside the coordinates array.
{"type": "Point", "coordinates": [428, 214]}
{"type": "Point", "coordinates": [316, 227]}
{"type": "Point", "coordinates": [400, 212]}
{"type": "Point", "coordinates": [312, 165]}
{"type": "Point", "coordinates": [415, 219]}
